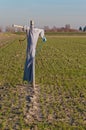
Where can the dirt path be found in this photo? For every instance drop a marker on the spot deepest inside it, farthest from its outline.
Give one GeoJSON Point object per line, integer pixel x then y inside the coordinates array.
{"type": "Point", "coordinates": [32, 104]}
{"type": "Point", "coordinates": [19, 106]}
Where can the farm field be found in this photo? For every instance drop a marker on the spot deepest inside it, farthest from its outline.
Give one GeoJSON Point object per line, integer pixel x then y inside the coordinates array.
{"type": "Point", "coordinates": [60, 83]}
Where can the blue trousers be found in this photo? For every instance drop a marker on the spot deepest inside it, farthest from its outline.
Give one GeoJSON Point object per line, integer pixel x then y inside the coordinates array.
{"type": "Point", "coordinates": [28, 70]}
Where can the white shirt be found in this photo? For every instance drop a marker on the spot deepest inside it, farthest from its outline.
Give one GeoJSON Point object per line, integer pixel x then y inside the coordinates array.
{"type": "Point", "coordinates": [32, 38]}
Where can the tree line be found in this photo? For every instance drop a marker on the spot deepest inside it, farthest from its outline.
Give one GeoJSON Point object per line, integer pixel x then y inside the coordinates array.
{"type": "Point", "coordinates": [83, 29]}
{"type": "Point", "coordinates": [67, 28]}
{"type": "Point", "coordinates": [11, 29]}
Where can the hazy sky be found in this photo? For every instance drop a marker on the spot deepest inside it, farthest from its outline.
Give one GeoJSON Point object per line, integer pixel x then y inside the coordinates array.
{"type": "Point", "coordinates": [43, 12]}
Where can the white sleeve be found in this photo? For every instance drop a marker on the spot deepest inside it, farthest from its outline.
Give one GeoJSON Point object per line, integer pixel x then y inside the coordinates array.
{"type": "Point", "coordinates": [41, 33]}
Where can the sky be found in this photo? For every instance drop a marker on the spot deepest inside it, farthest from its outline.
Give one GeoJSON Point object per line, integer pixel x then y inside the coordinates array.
{"type": "Point", "coordinates": [44, 12]}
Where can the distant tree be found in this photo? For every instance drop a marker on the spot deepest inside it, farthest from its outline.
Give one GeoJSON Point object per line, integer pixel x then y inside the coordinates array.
{"type": "Point", "coordinates": [46, 28]}
{"type": "Point", "coordinates": [84, 29]}
{"type": "Point", "coordinates": [54, 28]}
{"type": "Point", "coordinates": [0, 29]}
{"type": "Point", "coordinates": [9, 29]}
{"type": "Point", "coordinates": [80, 28]}
{"type": "Point", "coordinates": [19, 30]}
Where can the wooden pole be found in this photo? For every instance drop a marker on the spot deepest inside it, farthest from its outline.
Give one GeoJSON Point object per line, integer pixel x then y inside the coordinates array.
{"type": "Point", "coordinates": [33, 71]}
